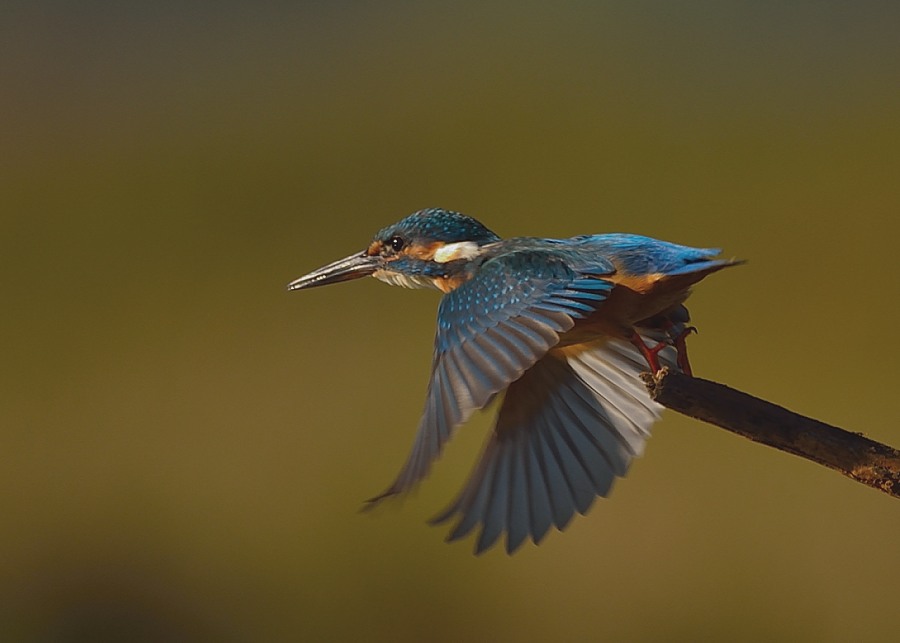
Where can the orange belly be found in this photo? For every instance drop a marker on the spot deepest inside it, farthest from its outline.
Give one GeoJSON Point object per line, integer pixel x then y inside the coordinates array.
{"type": "Point", "coordinates": [632, 300]}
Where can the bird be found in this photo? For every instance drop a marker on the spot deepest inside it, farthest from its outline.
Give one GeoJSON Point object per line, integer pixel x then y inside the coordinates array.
{"type": "Point", "coordinates": [558, 331]}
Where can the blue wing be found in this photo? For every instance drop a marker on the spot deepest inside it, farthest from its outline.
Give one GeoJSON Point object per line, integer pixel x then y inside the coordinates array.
{"type": "Point", "coordinates": [565, 431]}
{"type": "Point", "coordinates": [491, 330]}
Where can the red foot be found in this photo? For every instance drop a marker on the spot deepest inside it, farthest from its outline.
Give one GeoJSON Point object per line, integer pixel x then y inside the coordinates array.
{"type": "Point", "coordinates": [650, 354]}
{"type": "Point", "coordinates": [681, 350]}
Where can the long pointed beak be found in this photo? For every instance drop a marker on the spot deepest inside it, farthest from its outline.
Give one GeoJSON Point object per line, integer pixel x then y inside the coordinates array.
{"type": "Point", "coordinates": [352, 267]}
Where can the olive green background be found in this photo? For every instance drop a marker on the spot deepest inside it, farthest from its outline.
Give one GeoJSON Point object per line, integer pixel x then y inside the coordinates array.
{"type": "Point", "coordinates": [186, 445]}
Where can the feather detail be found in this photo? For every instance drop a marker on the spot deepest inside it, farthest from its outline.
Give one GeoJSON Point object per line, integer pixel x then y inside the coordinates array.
{"type": "Point", "coordinates": [567, 428]}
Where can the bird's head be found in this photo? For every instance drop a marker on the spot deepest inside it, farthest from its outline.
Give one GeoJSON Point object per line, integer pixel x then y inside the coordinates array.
{"type": "Point", "coordinates": [429, 248]}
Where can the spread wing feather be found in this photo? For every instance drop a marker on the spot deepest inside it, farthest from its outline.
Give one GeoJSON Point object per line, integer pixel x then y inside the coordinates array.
{"type": "Point", "coordinates": [566, 430]}
{"type": "Point", "coordinates": [491, 330]}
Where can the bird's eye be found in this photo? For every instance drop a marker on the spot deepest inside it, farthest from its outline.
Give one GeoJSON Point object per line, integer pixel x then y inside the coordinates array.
{"type": "Point", "coordinates": [397, 243]}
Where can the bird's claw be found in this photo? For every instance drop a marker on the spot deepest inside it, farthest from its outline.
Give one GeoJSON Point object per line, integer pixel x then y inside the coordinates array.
{"type": "Point", "coordinates": [651, 354]}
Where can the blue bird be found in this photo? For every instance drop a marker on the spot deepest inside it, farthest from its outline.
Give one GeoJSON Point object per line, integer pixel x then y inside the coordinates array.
{"type": "Point", "coordinates": [560, 330]}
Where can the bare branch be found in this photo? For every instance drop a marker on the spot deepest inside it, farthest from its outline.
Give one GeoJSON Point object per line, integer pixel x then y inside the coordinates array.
{"type": "Point", "coordinates": [857, 457]}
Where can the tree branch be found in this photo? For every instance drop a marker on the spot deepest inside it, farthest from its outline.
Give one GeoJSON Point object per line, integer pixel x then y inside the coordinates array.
{"type": "Point", "coordinates": [871, 463]}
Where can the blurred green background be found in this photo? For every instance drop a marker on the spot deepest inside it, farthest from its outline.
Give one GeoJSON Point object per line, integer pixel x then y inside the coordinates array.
{"type": "Point", "coordinates": [186, 444]}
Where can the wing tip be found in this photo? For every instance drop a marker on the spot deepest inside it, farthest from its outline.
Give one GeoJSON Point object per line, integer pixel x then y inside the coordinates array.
{"type": "Point", "coordinates": [370, 504]}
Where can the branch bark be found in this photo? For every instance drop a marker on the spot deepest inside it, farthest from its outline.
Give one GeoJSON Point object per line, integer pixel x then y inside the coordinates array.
{"type": "Point", "coordinates": [856, 456]}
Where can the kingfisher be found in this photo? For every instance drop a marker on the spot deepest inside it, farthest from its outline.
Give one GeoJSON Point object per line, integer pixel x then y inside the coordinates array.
{"type": "Point", "coordinates": [558, 331]}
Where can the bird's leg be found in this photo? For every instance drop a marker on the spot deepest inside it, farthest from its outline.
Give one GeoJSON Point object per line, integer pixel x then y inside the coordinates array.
{"type": "Point", "coordinates": [681, 358]}
{"type": "Point", "coordinates": [650, 354]}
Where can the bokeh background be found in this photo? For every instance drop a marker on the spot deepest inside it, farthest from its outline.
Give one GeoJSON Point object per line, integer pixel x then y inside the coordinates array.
{"type": "Point", "coordinates": [185, 444]}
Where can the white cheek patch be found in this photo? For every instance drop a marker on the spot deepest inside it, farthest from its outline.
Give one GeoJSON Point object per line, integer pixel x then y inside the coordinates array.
{"type": "Point", "coordinates": [454, 251]}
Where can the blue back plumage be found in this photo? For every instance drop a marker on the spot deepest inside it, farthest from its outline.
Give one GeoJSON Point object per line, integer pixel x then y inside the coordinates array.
{"type": "Point", "coordinates": [640, 255]}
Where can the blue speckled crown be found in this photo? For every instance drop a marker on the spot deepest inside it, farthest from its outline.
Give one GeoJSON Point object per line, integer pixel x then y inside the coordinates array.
{"type": "Point", "coordinates": [439, 225]}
